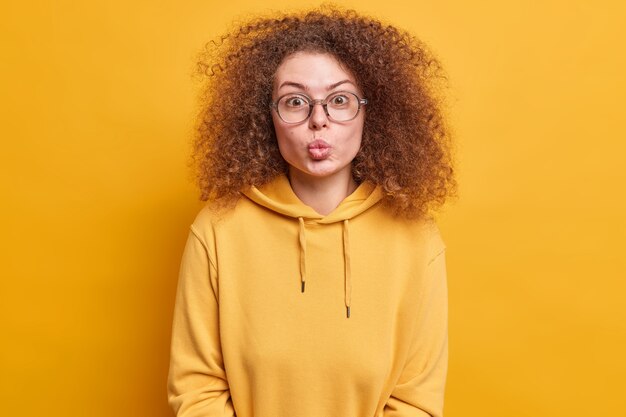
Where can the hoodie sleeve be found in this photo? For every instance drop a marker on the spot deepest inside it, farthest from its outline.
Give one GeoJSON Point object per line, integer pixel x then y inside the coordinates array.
{"type": "Point", "coordinates": [197, 384]}
{"type": "Point", "coordinates": [419, 391]}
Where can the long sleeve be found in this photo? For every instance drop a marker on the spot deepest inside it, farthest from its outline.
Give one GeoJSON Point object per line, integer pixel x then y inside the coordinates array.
{"type": "Point", "coordinates": [419, 391]}
{"type": "Point", "coordinates": [197, 384]}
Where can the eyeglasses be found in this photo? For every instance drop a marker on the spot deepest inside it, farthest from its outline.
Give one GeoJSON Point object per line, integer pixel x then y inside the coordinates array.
{"type": "Point", "coordinates": [340, 106]}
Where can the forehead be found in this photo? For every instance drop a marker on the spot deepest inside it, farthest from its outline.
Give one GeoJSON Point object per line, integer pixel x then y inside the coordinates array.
{"type": "Point", "coordinates": [314, 70]}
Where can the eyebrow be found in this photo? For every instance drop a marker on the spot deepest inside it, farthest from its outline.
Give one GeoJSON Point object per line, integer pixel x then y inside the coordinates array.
{"type": "Point", "coordinates": [303, 87]}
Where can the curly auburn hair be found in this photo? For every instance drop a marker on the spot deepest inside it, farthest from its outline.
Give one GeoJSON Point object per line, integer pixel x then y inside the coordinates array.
{"type": "Point", "coordinates": [405, 146]}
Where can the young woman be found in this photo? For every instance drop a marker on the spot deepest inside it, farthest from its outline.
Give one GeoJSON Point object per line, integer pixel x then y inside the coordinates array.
{"type": "Point", "coordinates": [313, 283]}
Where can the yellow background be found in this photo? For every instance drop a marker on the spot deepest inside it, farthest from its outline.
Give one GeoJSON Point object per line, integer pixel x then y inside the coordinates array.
{"type": "Point", "coordinates": [96, 115]}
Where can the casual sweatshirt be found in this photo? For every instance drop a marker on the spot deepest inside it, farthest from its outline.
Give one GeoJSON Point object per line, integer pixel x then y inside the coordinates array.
{"type": "Point", "coordinates": [283, 312]}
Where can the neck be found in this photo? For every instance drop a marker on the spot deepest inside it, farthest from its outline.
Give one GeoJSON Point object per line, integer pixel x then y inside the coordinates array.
{"type": "Point", "coordinates": [323, 194]}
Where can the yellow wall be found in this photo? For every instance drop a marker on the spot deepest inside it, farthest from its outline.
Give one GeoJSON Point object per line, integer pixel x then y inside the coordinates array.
{"type": "Point", "coordinates": [96, 111]}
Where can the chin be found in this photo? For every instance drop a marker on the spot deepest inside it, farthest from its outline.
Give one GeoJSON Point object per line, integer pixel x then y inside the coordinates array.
{"type": "Point", "coordinates": [322, 173]}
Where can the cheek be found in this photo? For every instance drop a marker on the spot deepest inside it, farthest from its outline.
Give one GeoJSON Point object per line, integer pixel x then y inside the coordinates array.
{"type": "Point", "coordinates": [284, 139]}
{"type": "Point", "coordinates": [283, 131]}
{"type": "Point", "coordinates": [357, 135]}
{"type": "Point", "coordinates": [277, 126]}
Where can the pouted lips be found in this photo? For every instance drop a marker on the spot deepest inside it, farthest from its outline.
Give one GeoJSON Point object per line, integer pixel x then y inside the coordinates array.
{"type": "Point", "coordinates": [319, 149]}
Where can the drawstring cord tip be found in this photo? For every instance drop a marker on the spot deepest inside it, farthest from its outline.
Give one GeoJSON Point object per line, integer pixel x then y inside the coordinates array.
{"type": "Point", "coordinates": [303, 282]}
{"type": "Point", "coordinates": [348, 311]}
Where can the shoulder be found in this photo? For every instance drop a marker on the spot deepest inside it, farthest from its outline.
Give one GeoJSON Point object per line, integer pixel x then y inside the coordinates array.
{"type": "Point", "coordinates": [427, 238]}
{"type": "Point", "coordinates": [423, 235]}
{"type": "Point", "coordinates": [212, 217]}
{"type": "Point", "coordinates": [206, 217]}
{"type": "Point", "coordinates": [435, 244]}
{"type": "Point", "coordinates": [203, 225]}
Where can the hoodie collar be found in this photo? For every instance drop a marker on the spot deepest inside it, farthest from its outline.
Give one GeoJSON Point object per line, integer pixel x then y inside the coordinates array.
{"type": "Point", "coordinates": [277, 195]}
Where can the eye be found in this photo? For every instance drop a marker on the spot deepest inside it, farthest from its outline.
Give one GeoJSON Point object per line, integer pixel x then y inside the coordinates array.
{"type": "Point", "coordinates": [339, 100]}
{"type": "Point", "coordinates": [296, 101]}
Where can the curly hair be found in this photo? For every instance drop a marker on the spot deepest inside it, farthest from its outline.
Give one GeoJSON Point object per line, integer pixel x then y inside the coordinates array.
{"type": "Point", "coordinates": [405, 146]}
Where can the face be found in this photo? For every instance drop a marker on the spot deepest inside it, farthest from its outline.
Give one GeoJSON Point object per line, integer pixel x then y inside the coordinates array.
{"type": "Point", "coordinates": [318, 146]}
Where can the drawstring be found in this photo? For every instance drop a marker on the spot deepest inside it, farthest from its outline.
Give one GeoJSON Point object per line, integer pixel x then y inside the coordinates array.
{"type": "Point", "coordinates": [302, 252]}
{"type": "Point", "coordinates": [347, 273]}
{"type": "Point", "coordinates": [346, 257]}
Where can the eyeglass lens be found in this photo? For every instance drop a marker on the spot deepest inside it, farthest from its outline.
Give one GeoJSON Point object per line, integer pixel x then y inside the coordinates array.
{"type": "Point", "coordinates": [341, 106]}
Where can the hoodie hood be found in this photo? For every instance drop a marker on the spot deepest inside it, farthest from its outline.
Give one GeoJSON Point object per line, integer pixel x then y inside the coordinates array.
{"type": "Point", "coordinates": [279, 197]}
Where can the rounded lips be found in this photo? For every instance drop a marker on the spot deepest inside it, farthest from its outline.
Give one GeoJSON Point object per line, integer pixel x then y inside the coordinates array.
{"type": "Point", "coordinates": [319, 144]}
{"type": "Point", "coordinates": [319, 149]}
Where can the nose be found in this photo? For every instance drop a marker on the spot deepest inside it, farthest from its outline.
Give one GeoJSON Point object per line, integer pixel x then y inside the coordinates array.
{"type": "Point", "coordinates": [318, 118]}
